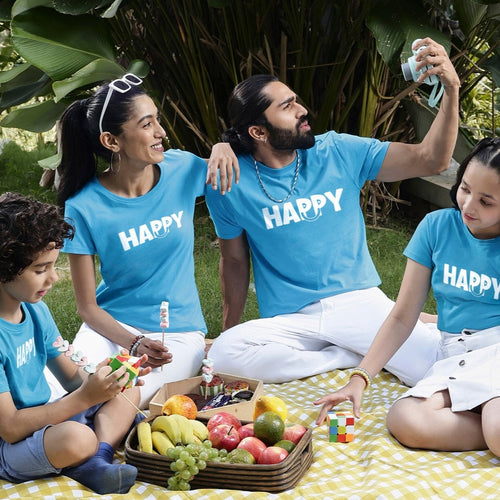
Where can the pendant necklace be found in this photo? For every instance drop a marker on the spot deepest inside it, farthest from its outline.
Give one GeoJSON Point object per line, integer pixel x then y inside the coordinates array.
{"type": "Point", "coordinates": [291, 188]}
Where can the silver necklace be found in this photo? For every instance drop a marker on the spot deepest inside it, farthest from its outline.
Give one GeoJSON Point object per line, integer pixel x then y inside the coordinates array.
{"type": "Point", "coordinates": [291, 188]}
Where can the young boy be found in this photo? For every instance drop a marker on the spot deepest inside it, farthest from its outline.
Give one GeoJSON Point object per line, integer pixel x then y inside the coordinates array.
{"type": "Point", "coordinates": [77, 434]}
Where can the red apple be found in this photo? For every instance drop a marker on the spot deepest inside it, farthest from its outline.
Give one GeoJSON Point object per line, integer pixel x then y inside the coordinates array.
{"type": "Point", "coordinates": [223, 417]}
{"type": "Point", "coordinates": [246, 430]}
{"type": "Point", "coordinates": [272, 455]}
{"type": "Point", "coordinates": [294, 433]}
{"type": "Point", "coordinates": [224, 436]}
{"type": "Point", "coordinates": [254, 445]}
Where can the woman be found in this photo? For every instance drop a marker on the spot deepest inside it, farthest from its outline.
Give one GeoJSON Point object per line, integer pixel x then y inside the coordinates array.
{"type": "Point", "coordinates": [136, 217]}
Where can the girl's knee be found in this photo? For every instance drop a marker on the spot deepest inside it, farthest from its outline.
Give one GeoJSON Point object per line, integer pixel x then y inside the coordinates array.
{"type": "Point", "coordinates": [404, 423]}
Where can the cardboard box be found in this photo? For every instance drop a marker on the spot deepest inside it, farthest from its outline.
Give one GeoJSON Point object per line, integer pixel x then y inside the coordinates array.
{"type": "Point", "coordinates": [244, 410]}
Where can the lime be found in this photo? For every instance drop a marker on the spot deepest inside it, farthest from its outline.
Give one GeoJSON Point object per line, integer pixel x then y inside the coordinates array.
{"type": "Point", "coordinates": [240, 456]}
{"type": "Point", "coordinates": [269, 427]}
{"type": "Point", "coordinates": [286, 445]}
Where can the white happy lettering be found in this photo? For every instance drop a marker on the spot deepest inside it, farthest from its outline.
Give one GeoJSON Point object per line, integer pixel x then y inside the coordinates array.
{"type": "Point", "coordinates": [470, 281]}
{"type": "Point", "coordinates": [304, 209]}
{"type": "Point", "coordinates": [150, 231]}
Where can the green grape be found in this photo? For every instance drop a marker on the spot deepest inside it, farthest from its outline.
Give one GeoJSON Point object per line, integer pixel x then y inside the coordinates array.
{"type": "Point", "coordinates": [172, 483]}
{"type": "Point", "coordinates": [172, 453]}
{"type": "Point", "coordinates": [202, 464]}
{"type": "Point", "coordinates": [184, 454]}
{"type": "Point", "coordinates": [190, 448]}
{"type": "Point", "coordinates": [223, 453]}
{"type": "Point", "coordinates": [194, 469]}
{"type": "Point", "coordinates": [203, 456]}
{"type": "Point", "coordinates": [185, 475]}
{"type": "Point", "coordinates": [207, 443]}
{"type": "Point", "coordinates": [190, 460]}
{"type": "Point", "coordinates": [180, 464]}
{"type": "Point", "coordinates": [184, 485]}
{"type": "Point", "coordinates": [173, 467]}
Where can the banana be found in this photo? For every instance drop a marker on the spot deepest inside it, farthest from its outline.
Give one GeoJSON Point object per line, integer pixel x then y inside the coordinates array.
{"type": "Point", "coordinates": [161, 442]}
{"type": "Point", "coordinates": [144, 437]}
{"type": "Point", "coordinates": [199, 429]}
{"type": "Point", "coordinates": [169, 426]}
{"type": "Point", "coordinates": [187, 436]}
{"type": "Point", "coordinates": [197, 440]}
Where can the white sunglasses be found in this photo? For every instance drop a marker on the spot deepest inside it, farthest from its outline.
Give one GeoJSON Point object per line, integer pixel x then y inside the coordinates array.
{"type": "Point", "coordinates": [121, 85]}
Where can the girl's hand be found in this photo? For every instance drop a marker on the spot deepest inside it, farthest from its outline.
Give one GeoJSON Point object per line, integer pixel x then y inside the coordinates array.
{"type": "Point", "coordinates": [223, 158]}
{"type": "Point", "coordinates": [352, 391]}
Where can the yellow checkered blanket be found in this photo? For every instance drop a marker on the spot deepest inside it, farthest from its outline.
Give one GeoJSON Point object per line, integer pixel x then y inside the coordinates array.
{"type": "Point", "coordinates": [373, 466]}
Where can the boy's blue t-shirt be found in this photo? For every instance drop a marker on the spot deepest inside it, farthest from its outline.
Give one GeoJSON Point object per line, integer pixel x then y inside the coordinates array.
{"type": "Point", "coordinates": [24, 350]}
{"type": "Point", "coordinates": [314, 244]}
{"type": "Point", "coordinates": [465, 271]}
{"type": "Point", "coordinates": [145, 245]}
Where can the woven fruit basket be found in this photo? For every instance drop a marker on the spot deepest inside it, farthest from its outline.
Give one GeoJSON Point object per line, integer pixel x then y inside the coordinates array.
{"type": "Point", "coordinates": [153, 468]}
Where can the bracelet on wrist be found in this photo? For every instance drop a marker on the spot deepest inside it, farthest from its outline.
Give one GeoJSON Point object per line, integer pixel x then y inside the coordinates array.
{"type": "Point", "coordinates": [361, 372]}
{"type": "Point", "coordinates": [135, 344]}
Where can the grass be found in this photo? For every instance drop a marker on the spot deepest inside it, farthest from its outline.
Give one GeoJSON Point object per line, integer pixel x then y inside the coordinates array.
{"type": "Point", "coordinates": [19, 172]}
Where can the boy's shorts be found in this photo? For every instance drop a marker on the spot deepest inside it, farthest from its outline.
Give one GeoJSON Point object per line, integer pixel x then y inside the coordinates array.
{"type": "Point", "coordinates": [26, 459]}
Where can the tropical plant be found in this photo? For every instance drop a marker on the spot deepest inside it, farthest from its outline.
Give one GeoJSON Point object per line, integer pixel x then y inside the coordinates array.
{"type": "Point", "coordinates": [342, 58]}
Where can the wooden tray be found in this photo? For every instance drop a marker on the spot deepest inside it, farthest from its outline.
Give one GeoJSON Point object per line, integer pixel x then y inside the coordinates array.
{"type": "Point", "coordinates": [153, 468]}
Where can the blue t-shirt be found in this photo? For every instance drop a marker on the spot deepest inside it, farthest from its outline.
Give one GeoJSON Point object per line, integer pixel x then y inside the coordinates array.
{"type": "Point", "coordinates": [314, 244]}
{"type": "Point", "coordinates": [24, 350]}
{"type": "Point", "coordinates": [145, 245]}
{"type": "Point", "coordinates": [465, 271]}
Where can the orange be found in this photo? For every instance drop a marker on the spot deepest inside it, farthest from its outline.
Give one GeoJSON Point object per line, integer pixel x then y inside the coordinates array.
{"type": "Point", "coordinates": [270, 403]}
{"type": "Point", "coordinates": [269, 427]}
{"type": "Point", "coordinates": [181, 405]}
{"type": "Point", "coordinates": [286, 445]}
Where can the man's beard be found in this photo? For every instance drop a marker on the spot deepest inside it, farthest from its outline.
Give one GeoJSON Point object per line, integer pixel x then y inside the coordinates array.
{"type": "Point", "coordinates": [288, 140]}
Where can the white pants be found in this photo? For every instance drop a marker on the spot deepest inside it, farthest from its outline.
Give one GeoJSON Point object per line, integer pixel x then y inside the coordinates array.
{"type": "Point", "coordinates": [187, 349]}
{"type": "Point", "coordinates": [332, 333]}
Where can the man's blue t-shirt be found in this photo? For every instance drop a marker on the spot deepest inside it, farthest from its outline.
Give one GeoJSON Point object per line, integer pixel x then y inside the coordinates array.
{"type": "Point", "coordinates": [314, 244]}
{"type": "Point", "coordinates": [24, 350]}
{"type": "Point", "coordinates": [465, 271]}
{"type": "Point", "coordinates": [145, 245]}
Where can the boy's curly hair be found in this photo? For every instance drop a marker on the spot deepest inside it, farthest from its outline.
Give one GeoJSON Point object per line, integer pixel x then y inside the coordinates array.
{"type": "Point", "coordinates": [27, 227]}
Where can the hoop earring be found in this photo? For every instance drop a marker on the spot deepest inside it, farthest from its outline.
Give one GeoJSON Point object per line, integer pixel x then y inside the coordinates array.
{"type": "Point", "coordinates": [111, 169]}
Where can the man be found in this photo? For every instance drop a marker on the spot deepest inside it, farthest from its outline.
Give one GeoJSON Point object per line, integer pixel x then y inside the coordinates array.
{"type": "Point", "coordinates": [299, 215]}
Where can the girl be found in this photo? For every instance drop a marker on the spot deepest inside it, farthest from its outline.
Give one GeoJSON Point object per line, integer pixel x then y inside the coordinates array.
{"type": "Point", "coordinates": [457, 251]}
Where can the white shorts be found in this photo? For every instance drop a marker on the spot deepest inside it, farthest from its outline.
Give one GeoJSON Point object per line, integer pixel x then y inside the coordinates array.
{"type": "Point", "coordinates": [469, 372]}
{"type": "Point", "coordinates": [332, 333]}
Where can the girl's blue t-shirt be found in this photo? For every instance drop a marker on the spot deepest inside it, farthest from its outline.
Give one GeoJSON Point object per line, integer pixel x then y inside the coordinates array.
{"type": "Point", "coordinates": [465, 271]}
{"type": "Point", "coordinates": [145, 245]}
{"type": "Point", "coordinates": [314, 244]}
{"type": "Point", "coordinates": [24, 350]}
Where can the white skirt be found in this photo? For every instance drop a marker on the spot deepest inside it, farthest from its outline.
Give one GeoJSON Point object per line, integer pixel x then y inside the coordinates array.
{"type": "Point", "coordinates": [471, 377]}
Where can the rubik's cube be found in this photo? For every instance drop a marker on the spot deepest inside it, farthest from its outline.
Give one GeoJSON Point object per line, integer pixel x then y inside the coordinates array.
{"type": "Point", "coordinates": [340, 426]}
{"type": "Point", "coordinates": [131, 364]}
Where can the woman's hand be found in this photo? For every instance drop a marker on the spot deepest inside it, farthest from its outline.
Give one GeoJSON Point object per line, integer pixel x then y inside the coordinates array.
{"type": "Point", "coordinates": [352, 391]}
{"type": "Point", "coordinates": [223, 158]}
{"type": "Point", "coordinates": [157, 353]}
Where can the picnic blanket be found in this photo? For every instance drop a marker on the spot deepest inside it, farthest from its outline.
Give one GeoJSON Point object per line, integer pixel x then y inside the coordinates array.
{"type": "Point", "coordinates": [373, 466]}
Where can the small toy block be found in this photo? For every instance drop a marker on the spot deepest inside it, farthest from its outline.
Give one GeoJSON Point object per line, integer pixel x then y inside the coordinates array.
{"type": "Point", "coordinates": [131, 364]}
{"type": "Point", "coordinates": [340, 426]}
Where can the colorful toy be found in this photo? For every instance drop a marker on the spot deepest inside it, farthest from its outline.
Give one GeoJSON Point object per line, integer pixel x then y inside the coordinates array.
{"type": "Point", "coordinates": [130, 363]}
{"type": "Point", "coordinates": [340, 426]}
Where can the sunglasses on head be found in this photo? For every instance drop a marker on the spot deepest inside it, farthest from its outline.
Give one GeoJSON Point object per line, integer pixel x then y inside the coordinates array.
{"type": "Point", "coordinates": [122, 85]}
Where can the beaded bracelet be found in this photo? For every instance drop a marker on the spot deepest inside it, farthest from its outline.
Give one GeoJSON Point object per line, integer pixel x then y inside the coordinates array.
{"type": "Point", "coordinates": [361, 372]}
{"type": "Point", "coordinates": [135, 344]}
